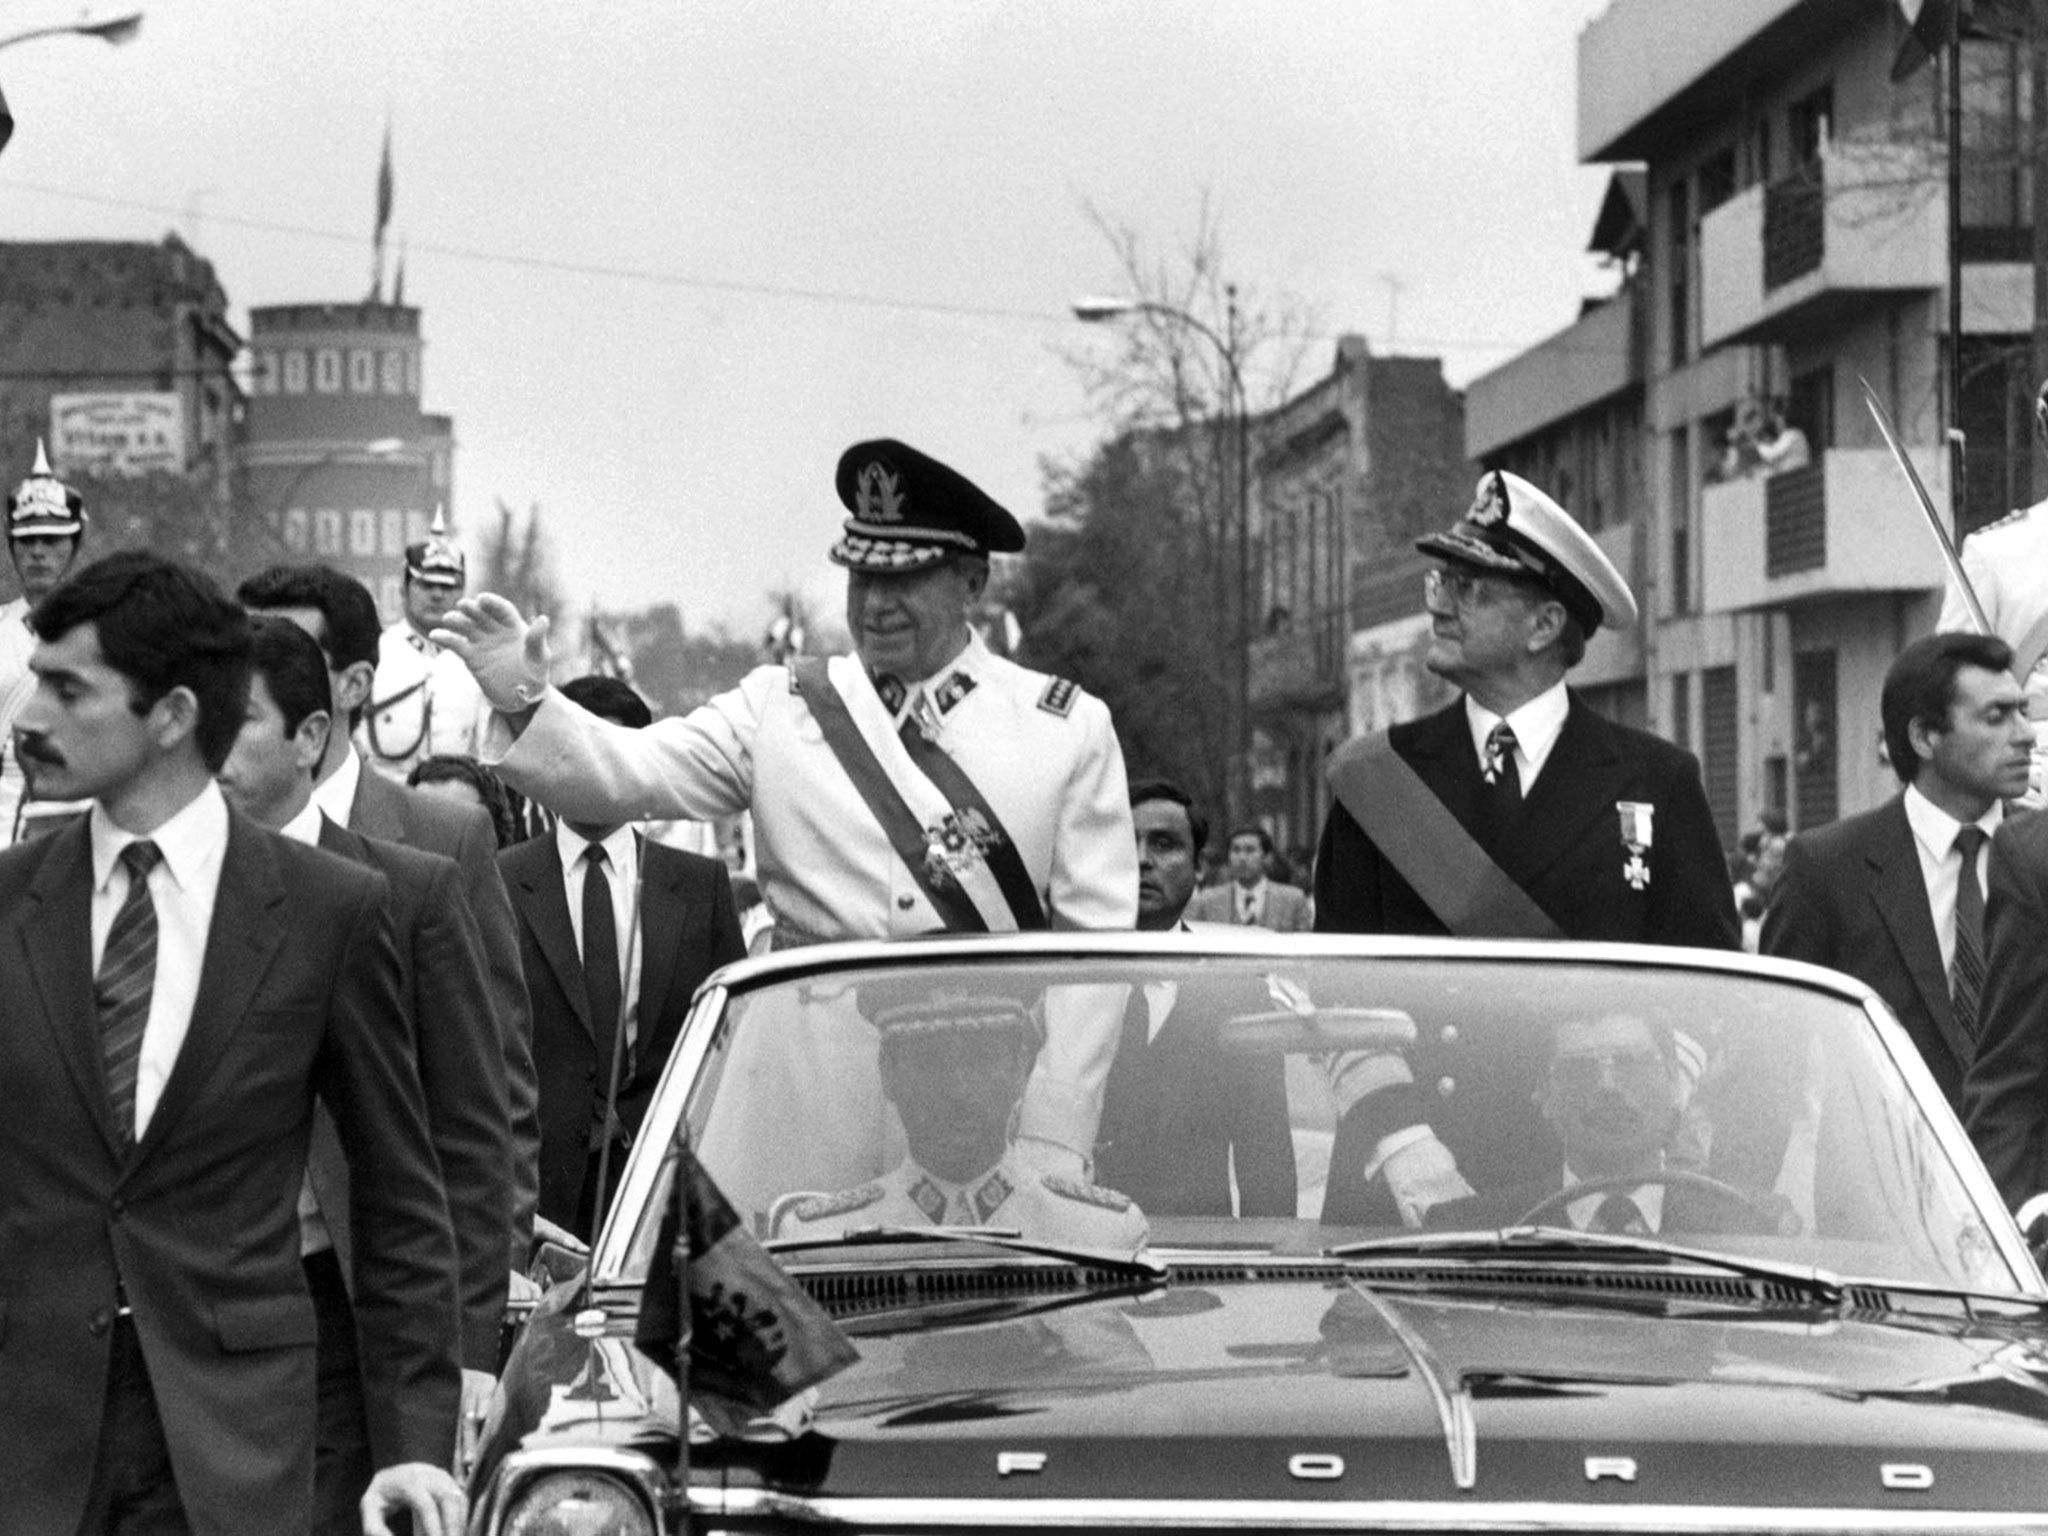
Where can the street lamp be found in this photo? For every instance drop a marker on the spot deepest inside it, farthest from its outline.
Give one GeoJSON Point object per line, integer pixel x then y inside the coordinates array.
{"type": "Point", "coordinates": [115, 30]}
{"type": "Point", "coordinates": [1237, 731]}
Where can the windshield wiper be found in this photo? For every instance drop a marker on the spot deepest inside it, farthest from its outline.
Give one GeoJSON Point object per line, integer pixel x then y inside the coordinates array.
{"type": "Point", "coordinates": [1141, 1265]}
{"type": "Point", "coordinates": [1525, 1242]}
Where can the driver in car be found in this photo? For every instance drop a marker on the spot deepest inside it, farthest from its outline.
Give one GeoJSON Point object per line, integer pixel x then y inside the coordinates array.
{"type": "Point", "coordinates": [954, 1065]}
{"type": "Point", "coordinates": [1615, 1094]}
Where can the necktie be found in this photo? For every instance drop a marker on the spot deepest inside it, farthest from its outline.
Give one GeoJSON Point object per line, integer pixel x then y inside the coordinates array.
{"type": "Point", "coordinates": [600, 957]}
{"type": "Point", "coordinates": [1618, 1213]}
{"type": "Point", "coordinates": [1503, 776]}
{"type": "Point", "coordinates": [1966, 971]}
{"type": "Point", "coordinates": [1247, 906]}
{"type": "Point", "coordinates": [127, 976]}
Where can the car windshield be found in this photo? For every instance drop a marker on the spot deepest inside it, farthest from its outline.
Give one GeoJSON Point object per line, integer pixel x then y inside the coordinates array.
{"type": "Point", "coordinates": [1294, 1105]}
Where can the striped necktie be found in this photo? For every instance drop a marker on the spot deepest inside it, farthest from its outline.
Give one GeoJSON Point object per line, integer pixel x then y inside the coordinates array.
{"type": "Point", "coordinates": [1966, 971]}
{"type": "Point", "coordinates": [126, 979]}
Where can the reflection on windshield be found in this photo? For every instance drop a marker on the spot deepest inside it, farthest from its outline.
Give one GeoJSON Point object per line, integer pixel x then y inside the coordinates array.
{"type": "Point", "coordinates": [1240, 1102]}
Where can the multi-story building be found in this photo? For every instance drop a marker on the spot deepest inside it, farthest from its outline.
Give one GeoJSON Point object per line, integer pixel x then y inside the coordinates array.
{"type": "Point", "coordinates": [339, 462]}
{"type": "Point", "coordinates": [1793, 248]}
{"type": "Point", "coordinates": [1346, 475]}
{"type": "Point", "coordinates": [118, 355]}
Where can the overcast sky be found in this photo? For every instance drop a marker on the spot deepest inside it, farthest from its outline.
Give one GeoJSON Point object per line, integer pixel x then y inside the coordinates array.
{"type": "Point", "coordinates": [674, 255]}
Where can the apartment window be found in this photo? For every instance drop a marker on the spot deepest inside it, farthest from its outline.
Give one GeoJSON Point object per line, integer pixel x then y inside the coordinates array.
{"type": "Point", "coordinates": [362, 533]}
{"type": "Point", "coordinates": [1756, 153]}
{"type": "Point", "coordinates": [1998, 427]}
{"type": "Point", "coordinates": [1681, 709]}
{"type": "Point", "coordinates": [1811, 123]}
{"type": "Point", "coordinates": [1716, 180]}
{"type": "Point", "coordinates": [362, 371]}
{"type": "Point", "coordinates": [327, 532]}
{"type": "Point", "coordinates": [298, 530]}
{"type": "Point", "coordinates": [393, 525]}
{"type": "Point", "coordinates": [412, 373]}
{"type": "Point", "coordinates": [1810, 406]}
{"type": "Point", "coordinates": [327, 371]}
{"type": "Point", "coordinates": [295, 372]}
{"type": "Point", "coordinates": [393, 381]}
{"type": "Point", "coordinates": [1681, 521]}
{"type": "Point", "coordinates": [1997, 192]}
{"type": "Point", "coordinates": [263, 379]}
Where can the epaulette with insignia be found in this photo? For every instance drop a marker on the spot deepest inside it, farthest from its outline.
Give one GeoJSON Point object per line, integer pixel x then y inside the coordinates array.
{"type": "Point", "coordinates": [821, 1207]}
{"type": "Point", "coordinates": [1086, 1193]}
{"type": "Point", "coordinates": [1058, 698]}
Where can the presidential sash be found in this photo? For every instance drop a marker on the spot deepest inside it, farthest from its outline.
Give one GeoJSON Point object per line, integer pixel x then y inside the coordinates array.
{"type": "Point", "coordinates": [1429, 847]}
{"type": "Point", "coordinates": [938, 822]}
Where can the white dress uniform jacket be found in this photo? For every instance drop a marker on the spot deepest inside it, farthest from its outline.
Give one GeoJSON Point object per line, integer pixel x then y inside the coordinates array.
{"type": "Point", "coordinates": [423, 702]}
{"type": "Point", "coordinates": [17, 640]}
{"type": "Point", "coordinates": [2007, 563]}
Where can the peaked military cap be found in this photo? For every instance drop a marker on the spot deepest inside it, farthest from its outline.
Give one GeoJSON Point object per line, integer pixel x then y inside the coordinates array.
{"type": "Point", "coordinates": [44, 507]}
{"type": "Point", "coordinates": [436, 560]}
{"type": "Point", "coordinates": [1515, 530]}
{"type": "Point", "coordinates": [910, 511]}
{"type": "Point", "coordinates": [909, 1010]}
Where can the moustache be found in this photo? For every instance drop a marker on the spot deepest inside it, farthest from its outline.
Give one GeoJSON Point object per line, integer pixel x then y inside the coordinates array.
{"type": "Point", "coordinates": [34, 749]}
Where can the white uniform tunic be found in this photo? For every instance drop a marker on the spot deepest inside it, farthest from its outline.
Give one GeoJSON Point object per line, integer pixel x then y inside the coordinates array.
{"type": "Point", "coordinates": [2007, 563]}
{"type": "Point", "coordinates": [17, 640]}
{"type": "Point", "coordinates": [1042, 1206]}
{"type": "Point", "coordinates": [423, 703]}
{"type": "Point", "coordinates": [1043, 754]}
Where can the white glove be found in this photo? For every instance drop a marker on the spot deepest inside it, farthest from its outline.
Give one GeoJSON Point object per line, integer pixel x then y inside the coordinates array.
{"type": "Point", "coordinates": [1420, 1174]}
{"type": "Point", "coordinates": [508, 656]}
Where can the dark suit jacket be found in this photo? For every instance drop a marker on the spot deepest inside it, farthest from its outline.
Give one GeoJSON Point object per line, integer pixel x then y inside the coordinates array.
{"type": "Point", "coordinates": [2005, 1095]}
{"type": "Point", "coordinates": [1175, 1106]}
{"type": "Point", "coordinates": [1852, 897]}
{"type": "Point", "coordinates": [1565, 850]}
{"type": "Point", "coordinates": [689, 927]}
{"type": "Point", "coordinates": [392, 813]}
{"type": "Point", "coordinates": [1686, 1210]}
{"type": "Point", "coordinates": [298, 997]}
{"type": "Point", "coordinates": [462, 1072]}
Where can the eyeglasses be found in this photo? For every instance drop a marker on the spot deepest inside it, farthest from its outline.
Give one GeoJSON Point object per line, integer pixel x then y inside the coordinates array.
{"type": "Point", "coordinates": [1465, 589]}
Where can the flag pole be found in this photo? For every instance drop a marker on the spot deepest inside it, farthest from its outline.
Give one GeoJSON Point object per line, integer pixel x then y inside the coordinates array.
{"type": "Point", "coordinates": [1952, 436]}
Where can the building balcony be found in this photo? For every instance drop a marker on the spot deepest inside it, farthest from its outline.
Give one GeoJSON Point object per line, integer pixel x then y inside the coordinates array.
{"type": "Point", "coordinates": [1580, 366]}
{"type": "Point", "coordinates": [1843, 524]}
{"type": "Point", "coordinates": [1782, 261]}
{"type": "Point", "coordinates": [1300, 667]}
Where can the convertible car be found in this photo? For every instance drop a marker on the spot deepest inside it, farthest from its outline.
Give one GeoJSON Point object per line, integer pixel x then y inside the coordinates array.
{"type": "Point", "coordinates": [1240, 1232]}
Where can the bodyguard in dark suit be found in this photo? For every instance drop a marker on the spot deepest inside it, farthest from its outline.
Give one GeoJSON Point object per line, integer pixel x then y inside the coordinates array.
{"type": "Point", "coordinates": [1895, 896]}
{"type": "Point", "coordinates": [1177, 1114]}
{"type": "Point", "coordinates": [2005, 1095]}
{"type": "Point", "coordinates": [338, 611]}
{"type": "Point", "coordinates": [1601, 832]}
{"type": "Point", "coordinates": [585, 969]}
{"type": "Point", "coordinates": [268, 776]}
{"type": "Point", "coordinates": [181, 985]}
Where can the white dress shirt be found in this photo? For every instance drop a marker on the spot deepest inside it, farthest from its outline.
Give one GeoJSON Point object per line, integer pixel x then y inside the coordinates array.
{"type": "Point", "coordinates": [1648, 1198]}
{"type": "Point", "coordinates": [622, 870]}
{"type": "Point", "coordinates": [182, 887]}
{"type": "Point", "coordinates": [336, 794]}
{"type": "Point", "coordinates": [1536, 724]}
{"type": "Point", "coordinates": [1250, 902]}
{"type": "Point", "coordinates": [1934, 839]}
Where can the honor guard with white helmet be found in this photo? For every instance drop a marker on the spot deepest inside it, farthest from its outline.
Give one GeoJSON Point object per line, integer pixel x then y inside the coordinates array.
{"type": "Point", "coordinates": [953, 1066]}
{"type": "Point", "coordinates": [2007, 564]}
{"type": "Point", "coordinates": [45, 524]}
{"type": "Point", "coordinates": [918, 784]}
{"type": "Point", "coordinates": [424, 702]}
{"type": "Point", "coordinates": [1516, 812]}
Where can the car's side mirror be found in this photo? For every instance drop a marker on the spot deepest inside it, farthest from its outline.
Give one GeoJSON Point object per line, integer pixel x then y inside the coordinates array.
{"type": "Point", "coordinates": [2032, 1217]}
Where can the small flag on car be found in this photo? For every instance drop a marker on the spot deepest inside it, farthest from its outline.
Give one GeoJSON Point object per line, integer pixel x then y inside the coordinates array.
{"type": "Point", "coordinates": [755, 1338]}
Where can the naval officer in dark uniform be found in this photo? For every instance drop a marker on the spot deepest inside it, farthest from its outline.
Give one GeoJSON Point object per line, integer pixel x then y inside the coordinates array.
{"type": "Point", "coordinates": [1517, 811]}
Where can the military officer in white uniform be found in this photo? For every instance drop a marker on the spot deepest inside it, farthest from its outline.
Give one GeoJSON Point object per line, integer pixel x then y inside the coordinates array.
{"type": "Point", "coordinates": [919, 784]}
{"type": "Point", "coordinates": [424, 701]}
{"type": "Point", "coordinates": [45, 524]}
{"type": "Point", "coordinates": [2007, 563]}
{"type": "Point", "coordinates": [954, 1065]}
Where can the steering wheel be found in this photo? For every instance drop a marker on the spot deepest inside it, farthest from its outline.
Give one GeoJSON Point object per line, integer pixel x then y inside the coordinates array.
{"type": "Point", "coordinates": [1670, 1178]}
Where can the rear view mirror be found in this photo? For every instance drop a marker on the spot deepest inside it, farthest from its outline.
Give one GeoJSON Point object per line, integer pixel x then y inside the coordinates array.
{"type": "Point", "coordinates": [1296, 1033]}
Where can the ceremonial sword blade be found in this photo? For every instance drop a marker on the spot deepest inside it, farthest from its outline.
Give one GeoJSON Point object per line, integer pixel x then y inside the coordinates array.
{"type": "Point", "coordinates": [1949, 557]}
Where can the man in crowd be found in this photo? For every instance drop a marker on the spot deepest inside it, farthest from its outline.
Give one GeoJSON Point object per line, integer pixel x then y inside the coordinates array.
{"type": "Point", "coordinates": [45, 524]}
{"type": "Point", "coordinates": [182, 985]}
{"type": "Point", "coordinates": [268, 776]}
{"type": "Point", "coordinates": [1248, 896]}
{"type": "Point", "coordinates": [424, 702]}
{"type": "Point", "coordinates": [338, 612]}
{"type": "Point", "coordinates": [1518, 811]}
{"type": "Point", "coordinates": [1186, 1128]}
{"type": "Point", "coordinates": [616, 932]}
{"type": "Point", "coordinates": [1895, 896]}
{"type": "Point", "coordinates": [919, 784]}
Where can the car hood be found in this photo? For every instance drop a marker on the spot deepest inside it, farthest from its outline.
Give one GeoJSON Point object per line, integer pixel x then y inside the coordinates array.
{"type": "Point", "coordinates": [1314, 1386]}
